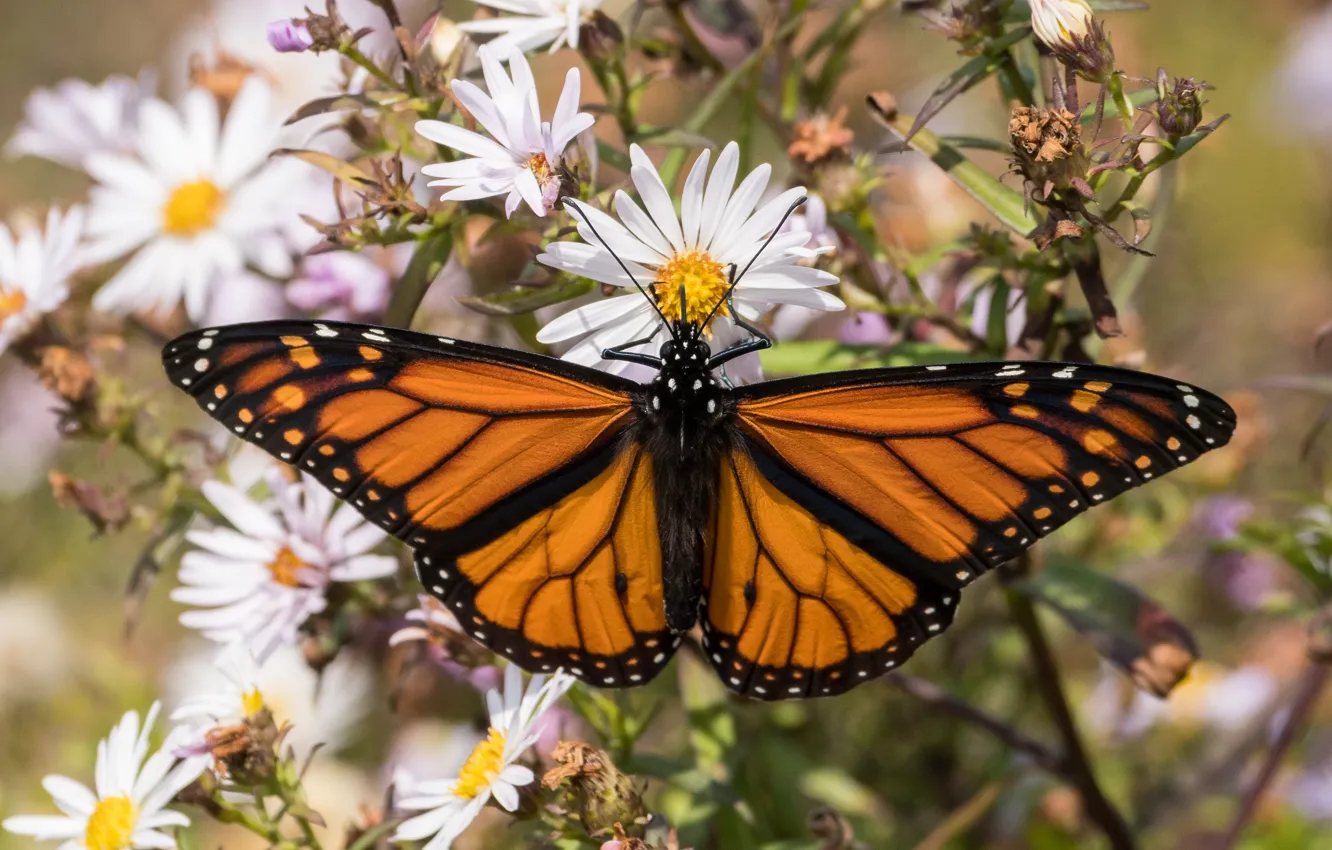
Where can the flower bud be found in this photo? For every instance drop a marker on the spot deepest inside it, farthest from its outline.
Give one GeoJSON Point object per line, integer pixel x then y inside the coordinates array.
{"type": "Point", "coordinates": [1178, 106]}
{"type": "Point", "coordinates": [600, 38]}
{"type": "Point", "coordinates": [290, 36]}
{"type": "Point", "coordinates": [1074, 36]}
{"type": "Point", "coordinates": [594, 788]}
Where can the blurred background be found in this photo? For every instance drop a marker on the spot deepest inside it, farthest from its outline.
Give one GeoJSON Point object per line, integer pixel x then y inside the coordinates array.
{"type": "Point", "coordinates": [1237, 295]}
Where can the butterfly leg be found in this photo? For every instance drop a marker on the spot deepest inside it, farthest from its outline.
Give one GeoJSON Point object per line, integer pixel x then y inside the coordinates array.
{"type": "Point", "coordinates": [760, 341]}
{"type": "Point", "coordinates": [621, 352]}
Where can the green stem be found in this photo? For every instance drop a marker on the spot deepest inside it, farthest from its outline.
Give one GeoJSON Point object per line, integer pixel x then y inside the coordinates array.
{"type": "Point", "coordinates": [1116, 87]}
{"type": "Point", "coordinates": [364, 61]}
{"type": "Point", "coordinates": [1077, 762]}
{"type": "Point", "coordinates": [1016, 82]}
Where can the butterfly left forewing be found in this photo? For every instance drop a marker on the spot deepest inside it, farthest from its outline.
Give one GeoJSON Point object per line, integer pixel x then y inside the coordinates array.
{"type": "Point", "coordinates": [473, 455]}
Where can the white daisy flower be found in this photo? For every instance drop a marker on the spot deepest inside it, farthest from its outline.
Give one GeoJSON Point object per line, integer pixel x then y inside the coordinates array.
{"type": "Point", "coordinates": [535, 23]}
{"type": "Point", "coordinates": [1059, 22]}
{"type": "Point", "coordinates": [128, 808]}
{"type": "Point", "coordinates": [76, 119]}
{"type": "Point", "coordinates": [258, 581]}
{"type": "Point", "coordinates": [719, 227]}
{"type": "Point", "coordinates": [200, 201]}
{"type": "Point", "coordinates": [212, 690]}
{"type": "Point", "coordinates": [450, 805]}
{"type": "Point", "coordinates": [522, 160]}
{"type": "Point", "coordinates": [35, 266]}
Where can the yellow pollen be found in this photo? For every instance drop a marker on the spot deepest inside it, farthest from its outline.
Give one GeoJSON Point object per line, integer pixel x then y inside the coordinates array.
{"type": "Point", "coordinates": [483, 765]}
{"type": "Point", "coordinates": [192, 208]}
{"type": "Point", "coordinates": [286, 568]}
{"type": "Point", "coordinates": [704, 282]}
{"type": "Point", "coordinates": [111, 825]}
{"type": "Point", "coordinates": [11, 303]}
{"type": "Point", "coordinates": [252, 702]}
{"type": "Point", "coordinates": [540, 168]}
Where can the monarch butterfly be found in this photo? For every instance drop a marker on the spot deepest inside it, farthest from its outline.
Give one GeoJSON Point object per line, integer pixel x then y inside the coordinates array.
{"type": "Point", "coordinates": [819, 528]}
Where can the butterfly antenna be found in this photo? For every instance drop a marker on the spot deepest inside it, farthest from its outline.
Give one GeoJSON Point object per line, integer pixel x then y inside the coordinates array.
{"type": "Point", "coordinates": [573, 206]}
{"type": "Point", "coordinates": [735, 278]}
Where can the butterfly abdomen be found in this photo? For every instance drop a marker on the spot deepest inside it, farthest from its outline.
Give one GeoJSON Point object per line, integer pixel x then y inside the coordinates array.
{"type": "Point", "coordinates": [684, 428]}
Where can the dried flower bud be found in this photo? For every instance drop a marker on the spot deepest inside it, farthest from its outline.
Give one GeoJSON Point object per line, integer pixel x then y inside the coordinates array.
{"type": "Point", "coordinates": [595, 789]}
{"type": "Point", "coordinates": [66, 372]}
{"type": "Point", "coordinates": [105, 510]}
{"type": "Point", "coordinates": [600, 39]}
{"type": "Point", "coordinates": [821, 139]}
{"type": "Point", "coordinates": [289, 36]}
{"type": "Point", "coordinates": [246, 752]}
{"type": "Point", "coordinates": [1048, 147]}
{"type": "Point", "coordinates": [1178, 105]}
{"type": "Point", "coordinates": [1074, 36]}
{"type": "Point", "coordinates": [328, 31]}
{"type": "Point", "coordinates": [223, 77]}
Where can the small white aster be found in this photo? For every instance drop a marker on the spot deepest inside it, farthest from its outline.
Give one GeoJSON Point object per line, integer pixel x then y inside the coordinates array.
{"type": "Point", "coordinates": [35, 266]}
{"type": "Point", "coordinates": [535, 23]}
{"type": "Point", "coordinates": [128, 808]}
{"type": "Point", "coordinates": [260, 580]}
{"type": "Point", "coordinates": [449, 806]}
{"type": "Point", "coordinates": [718, 227]}
{"type": "Point", "coordinates": [212, 690]}
{"type": "Point", "coordinates": [200, 199]}
{"type": "Point", "coordinates": [75, 119]}
{"type": "Point", "coordinates": [522, 158]}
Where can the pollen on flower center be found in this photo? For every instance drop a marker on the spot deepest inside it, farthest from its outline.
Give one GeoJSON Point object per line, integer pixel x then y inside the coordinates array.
{"type": "Point", "coordinates": [193, 208]}
{"type": "Point", "coordinates": [483, 765]}
{"type": "Point", "coordinates": [287, 568]}
{"type": "Point", "coordinates": [252, 702]}
{"type": "Point", "coordinates": [704, 282]}
{"type": "Point", "coordinates": [111, 826]}
{"type": "Point", "coordinates": [11, 303]}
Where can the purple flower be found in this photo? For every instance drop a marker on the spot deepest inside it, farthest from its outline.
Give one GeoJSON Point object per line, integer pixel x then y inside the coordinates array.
{"type": "Point", "coordinates": [1220, 517]}
{"type": "Point", "coordinates": [866, 329]}
{"type": "Point", "coordinates": [289, 36]}
{"type": "Point", "coordinates": [340, 285]}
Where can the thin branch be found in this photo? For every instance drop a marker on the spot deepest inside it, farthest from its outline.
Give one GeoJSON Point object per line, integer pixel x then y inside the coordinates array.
{"type": "Point", "coordinates": [935, 696]}
{"type": "Point", "coordinates": [1306, 697]}
{"type": "Point", "coordinates": [1098, 806]}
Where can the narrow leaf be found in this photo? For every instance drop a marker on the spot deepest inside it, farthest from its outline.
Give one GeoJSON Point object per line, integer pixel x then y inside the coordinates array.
{"type": "Point", "coordinates": [967, 77]}
{"type": "Point", "coordinates": [1003, 203]}
{"type": "Point", "coordinates": [337, 166]}
{"type": "Point", "coordinates": [427, 262]}
{"type": "Point", "coordinates": [525, 299]}
{"type": "Point", "coordinates": [1131, 631]}
{"type": "Point", "coordinates": [334, 103]}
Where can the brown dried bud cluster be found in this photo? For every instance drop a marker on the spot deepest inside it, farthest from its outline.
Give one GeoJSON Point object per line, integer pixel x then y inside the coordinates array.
{"type": "Point", "coordinates": [1089, 53]}
{"type": "Point", "coordinates": [67, 373]}
{"type": "Point", "coordinates": [247, 752]}
{"type": "Point", "coordinates": [964, 21]}
{"type": "Point", "coordinates": [1048, 149]}
{"type": "Point", "coordinates": [821, 139]}
{"type": "Point", "coordinates": [224, 76]}
{"type": "Point", "coordinates": [107, 511]}
{"type": "Point", "coordinates": [595, 790]}
{"type": "Point", "coordinates": [329, 31]}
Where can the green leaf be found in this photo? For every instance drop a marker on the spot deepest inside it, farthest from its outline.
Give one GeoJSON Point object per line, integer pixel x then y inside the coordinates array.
{"type": "Point", "coordinates": [967, 77]}
{"type": "Point", "coordinates": [337, 103]}
{"type": "Point", "coordinates": [427, 262]}
{"type": "Point", "coordinates": [1128, 629]}
{"type": "Point", "coordinates": [525, 299]}
{"type": "Point", "coordinates": [1004, 203]}
{"type": "Point", "coordinates": [808, 357]}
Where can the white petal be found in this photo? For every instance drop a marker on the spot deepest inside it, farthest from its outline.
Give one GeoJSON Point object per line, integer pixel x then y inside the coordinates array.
{"type": "Point", "coordinates": [691, 200]}
{"type": "Point", "coordinates": [657, 199]}
{"type": "Point", "coordinates": [718, 193]}
{"type": "Point", "coordinates": [473, 144]}
{"type": "Point", "coordinates": [43, 827]}
{"type": "Point", "coordinates": [592, 317]}
{"type": "Point", "coordinates": [241, 512]}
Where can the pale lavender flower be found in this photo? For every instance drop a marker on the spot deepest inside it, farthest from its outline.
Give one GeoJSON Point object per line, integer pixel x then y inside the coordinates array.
{"type": "Point", "coordinates": [289, 36]}
{"type": "Point", "coordinates": [866, 328]}
{"type": "Point", "coordinates": [341, 285]}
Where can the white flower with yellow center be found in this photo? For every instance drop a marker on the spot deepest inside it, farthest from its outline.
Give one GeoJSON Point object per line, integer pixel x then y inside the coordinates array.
{"type": "Point", "coordinates": [448, 806]}
{"type": "Point", "coordinates": [199, 202]}
{"type": "Point", "coordinates": [258, 581]}
{"type": "Point", "coordinates": [213, 690]}
{"type": "Point", "coordinates": [1059, 22]}
{"type": "Point", "coordinates": [664, 252]}
{"type": "Point", "coordinates": [534, 23]}
{"type": "Point", "coordinates": [35, 266]}
{"type": "Point", "coordinates": [75, 119]}
{"type": "Point", "coordinates": [522, 158]}
{"type": "Point", "coordinates": [127, 809]}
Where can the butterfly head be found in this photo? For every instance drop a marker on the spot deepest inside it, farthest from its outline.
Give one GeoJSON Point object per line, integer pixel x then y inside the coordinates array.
{"type": "Point", "coordinates": [685, 387]}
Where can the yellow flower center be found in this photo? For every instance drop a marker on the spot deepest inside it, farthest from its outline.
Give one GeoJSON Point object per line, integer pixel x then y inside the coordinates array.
{"type": "Point", "coordinates": [193, 208]}
{"type": "Point", "coordinates": [111, 825]}
{"type": "Point", "coordinates": [287, 567]}
{"type": "Point", "coordinates": [11, 303]}
{"type": "Point", "coordinates": [540, 167]}
{"type": "Point", "coordinates": [252, 702]}
{"type": "Point", "coordinates": [704, 282]}
{"type": "Point", "coordinates": [483, 765]}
